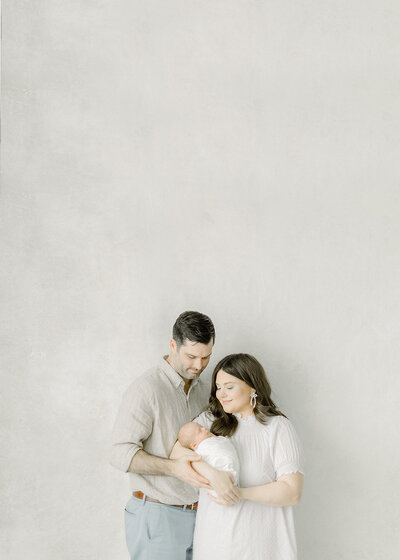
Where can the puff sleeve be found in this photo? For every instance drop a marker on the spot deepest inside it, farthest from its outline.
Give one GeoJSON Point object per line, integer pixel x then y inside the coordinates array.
{"type": "Point", "coordinates": [287, 451]}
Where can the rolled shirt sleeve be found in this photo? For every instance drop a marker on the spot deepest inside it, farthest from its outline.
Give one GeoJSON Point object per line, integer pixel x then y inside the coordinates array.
{"type": "Point", "coordinates": [133, 425]}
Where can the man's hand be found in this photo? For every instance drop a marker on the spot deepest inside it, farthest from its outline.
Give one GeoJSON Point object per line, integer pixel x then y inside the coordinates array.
{"type": "Point", "coordinates": [222, 483]}
{"type": "Point", "coordinates": [182, 469]}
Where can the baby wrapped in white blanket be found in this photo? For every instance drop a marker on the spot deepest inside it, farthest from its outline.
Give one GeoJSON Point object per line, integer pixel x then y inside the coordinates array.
{"type": "Point", "coordinates": [217, 451]}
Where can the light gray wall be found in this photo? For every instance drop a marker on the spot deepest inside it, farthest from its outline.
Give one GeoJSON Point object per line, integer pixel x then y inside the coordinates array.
{"type": "Point", "coordinates": [238, 158]}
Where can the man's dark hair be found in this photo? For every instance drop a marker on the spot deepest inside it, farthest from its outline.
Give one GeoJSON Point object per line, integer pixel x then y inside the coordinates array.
{"type": "Point", "coordinates": [193, 326]}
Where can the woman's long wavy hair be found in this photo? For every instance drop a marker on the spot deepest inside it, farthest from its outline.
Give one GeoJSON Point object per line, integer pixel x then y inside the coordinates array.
{"type": "Point", "coordinates": [249, 370]}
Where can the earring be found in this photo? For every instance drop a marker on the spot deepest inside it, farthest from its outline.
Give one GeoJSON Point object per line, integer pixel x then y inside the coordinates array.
{"type": "Point", "coordinates": [253, 399]}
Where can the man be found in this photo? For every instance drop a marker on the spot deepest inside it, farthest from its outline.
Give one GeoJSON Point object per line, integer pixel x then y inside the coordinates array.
{"type": "Point", "coordinates": [160, 516]}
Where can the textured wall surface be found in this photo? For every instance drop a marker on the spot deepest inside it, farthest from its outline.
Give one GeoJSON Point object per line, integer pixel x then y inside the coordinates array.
{"type": "Point", "coordinates": [238, 158]}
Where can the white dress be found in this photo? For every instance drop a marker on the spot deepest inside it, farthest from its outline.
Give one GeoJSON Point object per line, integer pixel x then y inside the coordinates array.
{"type": "Point", "coordinates": [250, 530]}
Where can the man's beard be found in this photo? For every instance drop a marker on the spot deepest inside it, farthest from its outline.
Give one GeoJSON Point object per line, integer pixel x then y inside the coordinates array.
{"type": "Point", "coordinates": [186, 374]}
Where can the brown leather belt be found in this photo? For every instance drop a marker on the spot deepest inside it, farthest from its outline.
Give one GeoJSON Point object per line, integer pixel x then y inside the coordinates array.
{"type": "Point", "coordinates": [140, 496]}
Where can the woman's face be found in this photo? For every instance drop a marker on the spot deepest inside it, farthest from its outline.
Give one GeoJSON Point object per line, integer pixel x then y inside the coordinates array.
{"type": "Point", "coordinates": [233, 394]}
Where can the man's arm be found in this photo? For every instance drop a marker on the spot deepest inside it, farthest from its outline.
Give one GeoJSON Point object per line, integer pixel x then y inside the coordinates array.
{"type": "Point", "coordinates": [182, 468]}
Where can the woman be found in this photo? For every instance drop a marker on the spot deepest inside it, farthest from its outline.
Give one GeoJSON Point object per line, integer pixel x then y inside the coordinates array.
{"type": "Point", "coordinates": [259, 526]}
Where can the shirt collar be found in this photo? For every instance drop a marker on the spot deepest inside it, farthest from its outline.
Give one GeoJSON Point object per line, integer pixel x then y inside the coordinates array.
{"type": "Point", "coordinates": [173, 376]}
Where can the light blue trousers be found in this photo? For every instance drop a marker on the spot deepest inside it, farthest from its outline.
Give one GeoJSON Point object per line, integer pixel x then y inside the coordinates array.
{"type": "Point", "coordinates": [158, 531]}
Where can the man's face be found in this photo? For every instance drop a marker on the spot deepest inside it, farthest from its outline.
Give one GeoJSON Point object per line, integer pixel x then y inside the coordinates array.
{"type": "Point", "coordinates": [190, 358]}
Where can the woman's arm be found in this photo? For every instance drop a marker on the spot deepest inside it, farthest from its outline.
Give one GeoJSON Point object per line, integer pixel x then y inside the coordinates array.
{"type": "Point", "coordinates": [285, 491]}
{"type": "Point", "coordinates": [179, 451]}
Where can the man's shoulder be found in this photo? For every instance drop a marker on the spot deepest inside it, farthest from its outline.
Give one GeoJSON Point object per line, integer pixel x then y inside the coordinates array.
{"type": "Point", "coordinates": [149, 381]}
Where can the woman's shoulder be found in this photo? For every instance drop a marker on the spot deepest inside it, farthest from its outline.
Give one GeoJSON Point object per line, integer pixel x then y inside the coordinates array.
{"type": "Point", "coordinates": [205, 419]}
{"type": "Point", "coordinates": [282, 429]}
{"type": "Point", "coordinates": [279, 423]}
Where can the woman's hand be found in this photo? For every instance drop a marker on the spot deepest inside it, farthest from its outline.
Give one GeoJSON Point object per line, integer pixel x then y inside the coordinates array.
{"type": "Point", "coordinates": [229, 498]}
{"type": "Point", "coordinates": [222, 483]}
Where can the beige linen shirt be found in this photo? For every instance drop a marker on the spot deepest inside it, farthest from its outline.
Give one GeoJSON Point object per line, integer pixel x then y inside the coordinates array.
{"type": "Point", "coordinates": [153, 409]}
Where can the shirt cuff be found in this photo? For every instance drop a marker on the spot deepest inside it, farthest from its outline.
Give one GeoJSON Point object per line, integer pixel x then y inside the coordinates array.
{"type": "Point", "coordinates": [122, 455]}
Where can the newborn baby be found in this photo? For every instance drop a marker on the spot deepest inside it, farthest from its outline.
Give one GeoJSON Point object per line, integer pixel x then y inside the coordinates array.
{"type": "Point", "coordinates": [217, 451]}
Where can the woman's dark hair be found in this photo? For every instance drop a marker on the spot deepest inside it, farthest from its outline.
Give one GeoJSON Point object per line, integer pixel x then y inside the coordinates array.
{"type": "Point", "coordinates": [193, 326]}
{"type": "Point", "coordinates": [249, 370]}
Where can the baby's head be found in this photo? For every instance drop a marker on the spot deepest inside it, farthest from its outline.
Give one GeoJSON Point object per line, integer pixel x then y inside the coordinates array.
{"type": "Point", "coordinates": [191, 434]}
